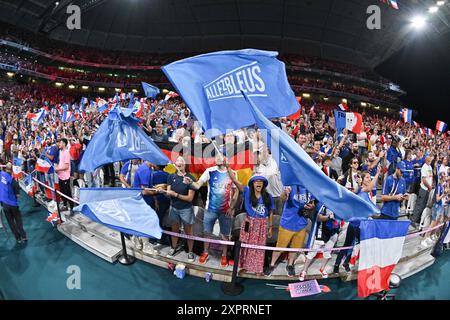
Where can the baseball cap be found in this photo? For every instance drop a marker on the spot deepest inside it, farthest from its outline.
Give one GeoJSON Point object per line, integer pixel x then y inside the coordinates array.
{"type": "Point", "coordinates": [401, 165]}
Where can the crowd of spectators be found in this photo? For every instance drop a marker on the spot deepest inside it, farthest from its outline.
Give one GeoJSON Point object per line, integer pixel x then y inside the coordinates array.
{"type": "Point", "coordinates": [386, 150]}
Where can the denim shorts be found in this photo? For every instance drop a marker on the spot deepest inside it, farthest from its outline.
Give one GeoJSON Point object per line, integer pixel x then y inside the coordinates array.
{"type": "Point", "coordinates": [436, 212]}
{"type": "Point", "coordinates": [210, 218]}
{"type": "Point", "coordinates": [185, 216]}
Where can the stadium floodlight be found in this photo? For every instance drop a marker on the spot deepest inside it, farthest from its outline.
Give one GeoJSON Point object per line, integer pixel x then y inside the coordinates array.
{"type": "Point", "coordinates": [306, 95]}
{"type": "Point", "coordinates": [117, 89]}
{"type": "Point", "coordinates": [433, 9]}
{"type": "Point", "coordinates": [440, 3]}
{"type": "Point", "coordinates": [344, 100]}
{"type": "Point", "coordinates": [418, 22]}
{"type": "Point", "coordinates": [135, 91]}
{"type": "Point", "coordinates": [363, 104]}
{"type": "Point", "coordinates": [84, 87]}
{"type": "Point", "coordinates": [101, 89]}
{"type": "Point", "coordinates": [58, 84]}
{"type": "Point", "coordinates": [387, 109]}
{"type": "Point", "coordinates": [165, 91]}
{"type": "Point", "coordinates": [325, 99]}
{"type": "Point", "coordinates": [71, 86]}
{"type": "Point", "coordinates": [10, 74]}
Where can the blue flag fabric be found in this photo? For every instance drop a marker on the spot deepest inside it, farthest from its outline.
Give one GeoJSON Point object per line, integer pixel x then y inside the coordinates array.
{"type": "Point", "coordinates": [126, 212]}
{"type": "Point", "coordinates": [211, 86]}
{"type": "Point", "coordinates": [297, 168]}
{"type": "Point", "coordinates": [117, 139]}
{"type": "Point", "coordinates": [149, 90]}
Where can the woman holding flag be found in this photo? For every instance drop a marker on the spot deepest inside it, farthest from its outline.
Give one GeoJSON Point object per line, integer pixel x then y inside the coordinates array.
{"type": "Point", "coordinates": [259, 206]}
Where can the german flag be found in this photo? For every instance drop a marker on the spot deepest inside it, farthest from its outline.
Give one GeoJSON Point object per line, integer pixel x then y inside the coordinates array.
{"type": "Point", "coordinates": [200, 156]}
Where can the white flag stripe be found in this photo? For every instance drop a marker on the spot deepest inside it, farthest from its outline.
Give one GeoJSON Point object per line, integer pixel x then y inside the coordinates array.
{"type": "Point", "coordinates": [380, 252]}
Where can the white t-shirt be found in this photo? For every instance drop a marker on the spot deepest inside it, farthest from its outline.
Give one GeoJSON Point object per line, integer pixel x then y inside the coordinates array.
{"type": "Point", "coordinates": [361, 138]}
{"type": "Point", "coordinates": [373, 139]}
{"type": "Point", "coordinates": [427, 173]}
{"type": "Point", "coordinates": [270, 170]}
{"type": "Point", "coordinates": [1, 146]}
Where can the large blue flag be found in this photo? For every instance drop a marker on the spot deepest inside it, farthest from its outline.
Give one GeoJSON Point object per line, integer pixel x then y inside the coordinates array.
{"type": "Point", "coordinates": [149, 90]}
{"type": "Point", "coordinates": [211, 86]}
{"type": "Point", "coordinates": [117, 139]}
{"type": "Point", "coordinates": [297, 168]}
{"type": "Point", "coordinates": [120, 209]}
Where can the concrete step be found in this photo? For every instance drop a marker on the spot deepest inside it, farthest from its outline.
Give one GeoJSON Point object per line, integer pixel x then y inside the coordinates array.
{"type": "Point", "coordinates": [90, 242]}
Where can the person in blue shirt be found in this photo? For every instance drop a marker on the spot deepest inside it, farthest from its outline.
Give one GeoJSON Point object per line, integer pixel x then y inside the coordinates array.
{"type": "Point", "coordinates": [372, 167]}
{"type": "Point", "coordinates": [409, 172]}
{"type": "Point", "coordinates": [128, 171]}
{"type": "Point", "coordinates": [259, 206]}
{"type": "Point", "coordinates": [9, 194]}
{"type": "Point", "coordinates": [52, 153]}
{"type": "Point", "coordinates": [417, 165]}
{"type": "Point", "coordinates": [393, 156]}
{"type": "Point", "coordinates": [293, 222]}
{"type": "Point", "coordinates": [393, 193]}
{"type": "Point", "coordinates": [143, 178]}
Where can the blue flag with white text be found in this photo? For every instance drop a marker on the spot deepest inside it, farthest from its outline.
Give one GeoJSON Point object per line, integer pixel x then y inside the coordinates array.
{"type": "Point", "coordinates": [297, 168]}
{"type": "Point", "coordinates": [119, 138]}
{"type": "Point", "coordinates": [211, 86]}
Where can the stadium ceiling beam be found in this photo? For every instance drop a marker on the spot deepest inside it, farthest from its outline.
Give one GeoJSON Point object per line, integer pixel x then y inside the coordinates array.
{"type": "Point", "coordinates": [324, 28]}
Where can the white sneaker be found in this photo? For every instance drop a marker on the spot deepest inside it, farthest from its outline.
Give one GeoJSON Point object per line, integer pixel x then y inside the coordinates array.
{"type": "Point", "coordinates": [148, 248]}
{"type": "Point", "coordinates": [137, 243]}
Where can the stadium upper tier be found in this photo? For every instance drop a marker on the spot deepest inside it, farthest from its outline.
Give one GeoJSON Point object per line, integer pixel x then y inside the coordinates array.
{"type": "Point", "coordinates": [74, 55]}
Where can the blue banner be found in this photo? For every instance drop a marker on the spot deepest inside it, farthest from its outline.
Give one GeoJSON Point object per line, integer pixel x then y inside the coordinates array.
{"type": "Point", "coordinates": [297, 168]}
{"type": "Point", "coordinates": [129, 214]}
{"type": "Point", "coordinates": [211, 86]}
{"type": "Point", "coordinates": [117, 139]}
{"type": "Point", "coordinates": [149, 90]}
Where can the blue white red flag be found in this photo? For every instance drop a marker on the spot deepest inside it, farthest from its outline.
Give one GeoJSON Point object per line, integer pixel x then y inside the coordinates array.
{"type": "Point", "coordinates": [441, 126]}
{"type": "Point", "coordinates": [344, 107]}
{"type": "Point", "coordinates": [406, 115]}
{"type": "Point", "coordinates": [381, 248]}
{"type": "Point", "coordinates": [352, 121]}
{"type": "Point", "coordinates": [17, 168]}
{"type": "Point", "coordinates": [43, 164]}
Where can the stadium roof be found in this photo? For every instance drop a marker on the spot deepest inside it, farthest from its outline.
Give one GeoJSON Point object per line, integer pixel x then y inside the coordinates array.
{"type": "Point", "coordinates": [330, 29]}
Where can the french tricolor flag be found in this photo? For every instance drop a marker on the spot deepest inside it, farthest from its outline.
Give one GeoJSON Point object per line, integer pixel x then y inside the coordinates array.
{"type": "Point", "coordinates": [350, 120]}
{"type": "Point", "coordinates": [123, 96]}
{"type": "Point", "coordinates": [422, 131]}
{"type": "Point", "coordinates": [406, 115]}
{"type": "Point", "coordinates": [429, 132]}
{"type": "Point", "coordinates": [17, 168]}
{"type": "Point", "coordinates": [36, 117]}
{"type": "Point", "coordinates": [381, 248]}
{"type": "Point", "coordinates": [43, 164]}
{"type": "Point", "coordinates": [170, 95]}
{"type": "Point", "coordinates": [68, 116]}
{"type": "Point", "coordinates": [344, 107]}
{"type": "Point", "coordinates": [84, 101]}
{"type": "Point", "coordinates": [416, 124]}
{"type": "Point", "coordinates": [441, 126]}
